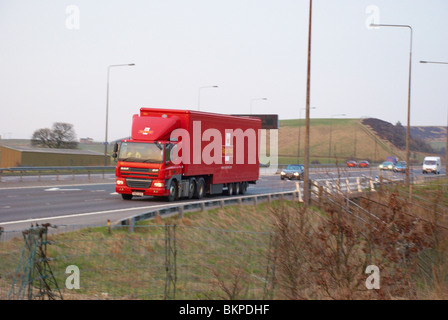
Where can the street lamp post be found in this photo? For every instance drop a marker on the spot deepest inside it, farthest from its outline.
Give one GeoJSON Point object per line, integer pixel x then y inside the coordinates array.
{"type": "Point", "coordinates": [306, 177]}
{"type": "Point", "coordinates": [331, 122]}
{"type": "Point", "coordinates": [298, 145]}
{"type": "Point", "coordinates": [409, 95]}
{"type": "Point", "coordinates": [107, 106]}
{"type": "Point", "coordinates": [199, 94]}
{"type": "Point", "coordinates": [446, 148]}
{"type": "Point", "coordinates": [251, 101]}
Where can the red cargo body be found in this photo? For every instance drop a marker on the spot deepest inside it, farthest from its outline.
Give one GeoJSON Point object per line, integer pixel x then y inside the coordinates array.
{"type": "Point", "coordinates": [218, 152]}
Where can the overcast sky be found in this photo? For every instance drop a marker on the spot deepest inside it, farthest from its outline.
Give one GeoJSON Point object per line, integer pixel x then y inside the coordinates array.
{"type": "Point", "coordinates": [54, 56]}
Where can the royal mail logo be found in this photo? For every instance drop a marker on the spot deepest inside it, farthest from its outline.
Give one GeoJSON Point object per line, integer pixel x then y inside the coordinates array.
{"type": "Point", "coordinates": [146, 131]}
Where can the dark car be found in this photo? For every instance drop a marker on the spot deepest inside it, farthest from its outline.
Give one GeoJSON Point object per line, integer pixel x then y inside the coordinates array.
{"type": "Point", "coordinates": [400, 167]}
{"type": "Point", "coordinates": [364, 164]}
{"type": "Point", "coordinates": [292, 171]}
{"type": "Point", "coordinates": [352, 164]}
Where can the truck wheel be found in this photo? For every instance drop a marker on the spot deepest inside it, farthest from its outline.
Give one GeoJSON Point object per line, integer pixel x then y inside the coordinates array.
{"type": "Point", "coordinates": [200, 189]}
{"type": "Point", "coordinates": [126, 196]}
{"type": "Point", "coordinates": [243, 188]}
{"type": "Point", "coordinates": [229, 190]}
{"type": "Point", "coordinates": [191, 188]}
{"type": "Point", "coordinates": [237, 188]}
{"type": "Point", "coordinates": [173, 191]}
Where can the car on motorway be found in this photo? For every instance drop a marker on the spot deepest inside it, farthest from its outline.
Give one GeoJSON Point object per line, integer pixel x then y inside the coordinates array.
{"type": "Point", "coordinates": [400, 167]}
{"type": "Point", "coordinates": [352, 164]}
{"type": "Point", "coordinates": [431, 164]}
{"type": "Point", "coordinates": [292, 171]}
{"type": "Point", "coordinates": [386, 165]}
{"type": "Point", "coordinates": [364, 164]}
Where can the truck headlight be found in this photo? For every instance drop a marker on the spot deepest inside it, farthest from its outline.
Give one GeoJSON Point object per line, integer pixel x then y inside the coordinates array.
{"type": "Point", "coordinates": [296, 173]}
{"type": "Point", "coordinates": [120, 182]}
{"type": "Point", "coordinates": [283, 173]}
{"type": "Point", "coordinates": [159, 184]}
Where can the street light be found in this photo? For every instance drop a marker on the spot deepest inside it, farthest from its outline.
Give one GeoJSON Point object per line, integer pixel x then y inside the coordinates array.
{"type": "Point", "coordinates": [306, 177]}
{"type": "Point", "coordinates": [446, 148]}
{"type": "Point", "coordinates": [300, 117]}
{"type": "Point", "coordinates": [199, 94]}
{"type": "Point", "coordinates": [107, 105]}
{"type": "Point", "coordinates": [255, 100]}
{"type": "Point", "coordinates": [331, 121]}
{"type": "Point", "coordinates": [409, 95]}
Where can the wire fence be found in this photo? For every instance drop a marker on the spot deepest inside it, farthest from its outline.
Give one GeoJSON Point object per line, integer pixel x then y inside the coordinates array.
{"type": "Point", "coordinates": [152, 262]}
{"type": "Point", "coordinates": [156, 261]}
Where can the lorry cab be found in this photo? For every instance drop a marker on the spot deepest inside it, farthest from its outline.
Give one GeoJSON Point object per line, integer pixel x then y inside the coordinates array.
{"type": "Point", "coordinates": [431, 164]}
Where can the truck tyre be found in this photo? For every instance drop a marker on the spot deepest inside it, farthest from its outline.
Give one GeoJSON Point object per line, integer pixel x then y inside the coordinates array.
{"type": "Point", "coordinates": [191, 188]}
{"type": "Point", "coordinates": [200, 189]}
{"type": "Point", "coordinates": [126, 196]}
{"type": "Point", "coordinates": [173, 191]}
{"type": "Point", "coordinates": [237, 188]}
{"type": "Point", "coordinates": [243, 188]}
{"type": "Point", "coordinates": [229, 190]}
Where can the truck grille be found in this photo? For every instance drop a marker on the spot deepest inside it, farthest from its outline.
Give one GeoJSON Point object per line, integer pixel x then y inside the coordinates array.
{"type": "Point", "coordinates": [137, 183]}
{"type": "Point", "coordinates": [138, 172]}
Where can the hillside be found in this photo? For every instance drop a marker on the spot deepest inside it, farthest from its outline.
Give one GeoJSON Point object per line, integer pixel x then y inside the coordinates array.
{"type": "Point", "coordinates": [350, 140]}
{"type": "Point", "coordinates": [434, 136]}
{"type": "Point", "coordinates": [396, 134]}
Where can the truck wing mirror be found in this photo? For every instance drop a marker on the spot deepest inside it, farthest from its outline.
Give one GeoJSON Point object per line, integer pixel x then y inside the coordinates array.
{"type": "Point", "coordinates": [115, 147]}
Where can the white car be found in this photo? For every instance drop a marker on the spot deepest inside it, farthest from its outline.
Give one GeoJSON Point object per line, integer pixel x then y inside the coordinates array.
{"type": "Point", "coordinates": [431, 164]}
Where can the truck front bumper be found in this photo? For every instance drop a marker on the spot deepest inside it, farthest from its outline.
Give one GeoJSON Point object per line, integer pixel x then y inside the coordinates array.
{"type": "Point", "coordinates": [124, 187]}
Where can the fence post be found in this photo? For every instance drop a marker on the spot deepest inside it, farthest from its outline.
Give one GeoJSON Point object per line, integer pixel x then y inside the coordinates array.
{"type": "Point", "coordinates": [170, 262]}
{"type": "Point", "coordinates": [131, 223]}
{"type": "Point", "coordinates": [347, 182]}
{"type": "Point", "coordinates": [299, 192]}
{"type": "Point", "coordinates": [358, 182]}
{"type": "Point", "coordinates": [321, 190]}
{"type": "Point", "coordinates": [372, 187]}
{"type": "Point", "coordinates": [181, 212]}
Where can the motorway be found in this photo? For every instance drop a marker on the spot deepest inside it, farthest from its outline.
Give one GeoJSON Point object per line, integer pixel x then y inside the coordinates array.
{"type": "Point", "coordinates": [81, 202]}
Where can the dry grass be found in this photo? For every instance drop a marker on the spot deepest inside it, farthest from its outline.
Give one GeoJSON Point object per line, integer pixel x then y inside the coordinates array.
{"type": "Point", "coordinates": [282, 250]}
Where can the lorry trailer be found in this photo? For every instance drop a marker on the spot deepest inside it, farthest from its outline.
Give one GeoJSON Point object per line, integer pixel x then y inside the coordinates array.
{"type": "Point", "coordinates": [187, 154]}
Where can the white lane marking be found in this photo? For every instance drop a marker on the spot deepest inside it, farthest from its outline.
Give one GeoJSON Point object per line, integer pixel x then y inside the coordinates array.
{"type": "Point", "coordinates": [92, 213]}
{"type": "Point", "coordinates": [59, 189]}
{"type": "Point", "coordinates": [67, 185]}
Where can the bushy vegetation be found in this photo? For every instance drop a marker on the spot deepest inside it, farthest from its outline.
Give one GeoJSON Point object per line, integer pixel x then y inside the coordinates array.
{"type": "Point", "coordinates": [396, 134]}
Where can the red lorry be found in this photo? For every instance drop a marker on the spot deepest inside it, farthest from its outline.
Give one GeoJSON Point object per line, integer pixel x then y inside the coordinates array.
{"type": "Point", "coordinates": [183, 153]}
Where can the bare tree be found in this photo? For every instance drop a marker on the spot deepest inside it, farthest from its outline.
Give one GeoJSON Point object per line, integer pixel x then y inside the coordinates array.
{"type": "Point", "coordinates": [61, 136]}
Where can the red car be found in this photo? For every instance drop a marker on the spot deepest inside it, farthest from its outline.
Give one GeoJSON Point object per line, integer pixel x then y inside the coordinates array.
{"type": "Point", "coordinates": [364, 164]}
{"type": "Point", "coordinates": [352, 164]}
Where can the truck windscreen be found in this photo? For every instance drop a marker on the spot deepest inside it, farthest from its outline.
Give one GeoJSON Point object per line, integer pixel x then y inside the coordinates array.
{"type": "Point", "coordinates": [141, 152]}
